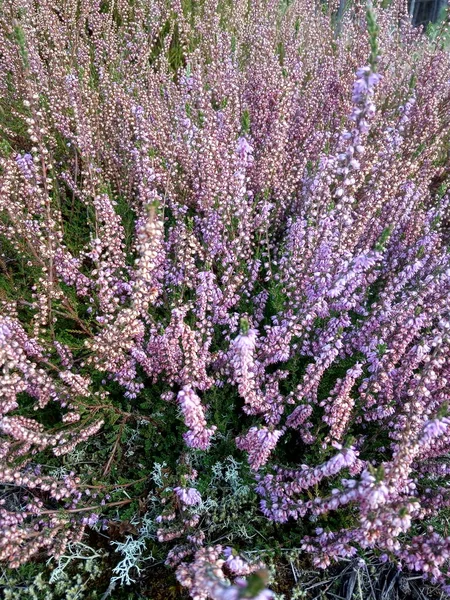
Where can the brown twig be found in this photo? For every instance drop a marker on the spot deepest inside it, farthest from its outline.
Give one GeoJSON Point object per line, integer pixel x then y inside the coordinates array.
{"type": "Point", "coordinates": [113, 485]}
{"type": "Point", "coordinates": [86, 508]}
{"type": "Point", "coordinates": [114, 450]}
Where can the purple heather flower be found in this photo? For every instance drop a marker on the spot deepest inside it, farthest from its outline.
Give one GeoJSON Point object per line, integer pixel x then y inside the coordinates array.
{"type": "Point", "coordinates": [188, 496]}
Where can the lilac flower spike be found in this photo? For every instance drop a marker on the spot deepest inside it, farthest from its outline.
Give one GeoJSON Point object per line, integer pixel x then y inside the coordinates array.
{"type": "Point", "coordinates": [188, 496]}
{"type": "Point", "coordinates": [198, 436]}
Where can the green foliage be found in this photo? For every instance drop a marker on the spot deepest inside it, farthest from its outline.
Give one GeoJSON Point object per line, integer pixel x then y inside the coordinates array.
{"type": "Point", "coordinates": [245, 122]}
{"type": "Point", "coordinates": [373, 30]}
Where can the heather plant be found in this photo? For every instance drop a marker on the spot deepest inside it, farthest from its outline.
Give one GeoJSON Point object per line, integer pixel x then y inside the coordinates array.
{"type": "Point", "coordinates": [224, 286]}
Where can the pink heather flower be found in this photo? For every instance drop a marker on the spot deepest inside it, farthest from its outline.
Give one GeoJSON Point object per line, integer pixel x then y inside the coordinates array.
{"type": "Point", "coordinates": [198, 436]}
{"type": "Point", "coordinates": [259, 443]}
{"type": "Point", "coordinates": [245, 343]}
{"type": "Point", "coordinates": [375, 494]}
{"type": "Point", "coordinates": [188, 496]}
{"type": "Point", "coordinates": [205, 578]}
{"type": "Point", "coordinates": [245, 368]}
{"type": "Point", "coordinates": [265, 595]}
{"type": "Point", "coordinates": [299, 415]}
{"type": "Point", "coordinates": [244, 151]}
{"type": "Point", "coordinates": [434, 428]}
{"type": "Point", "coordinates": [236, 564]}
{"type": "Point", "coordinates": [91, 520]}
{"type": "Point", "coordinates": [346, 458]}
{"type": "Point", "coordinates": [26, 165]}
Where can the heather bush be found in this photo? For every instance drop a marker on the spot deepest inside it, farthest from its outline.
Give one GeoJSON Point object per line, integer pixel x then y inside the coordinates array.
{"type": "Point", "coordinates": [224, 286]}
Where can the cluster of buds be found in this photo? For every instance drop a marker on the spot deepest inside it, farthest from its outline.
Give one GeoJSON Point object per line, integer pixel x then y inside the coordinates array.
{"type": "Point", "coordinates": [205, 577]}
